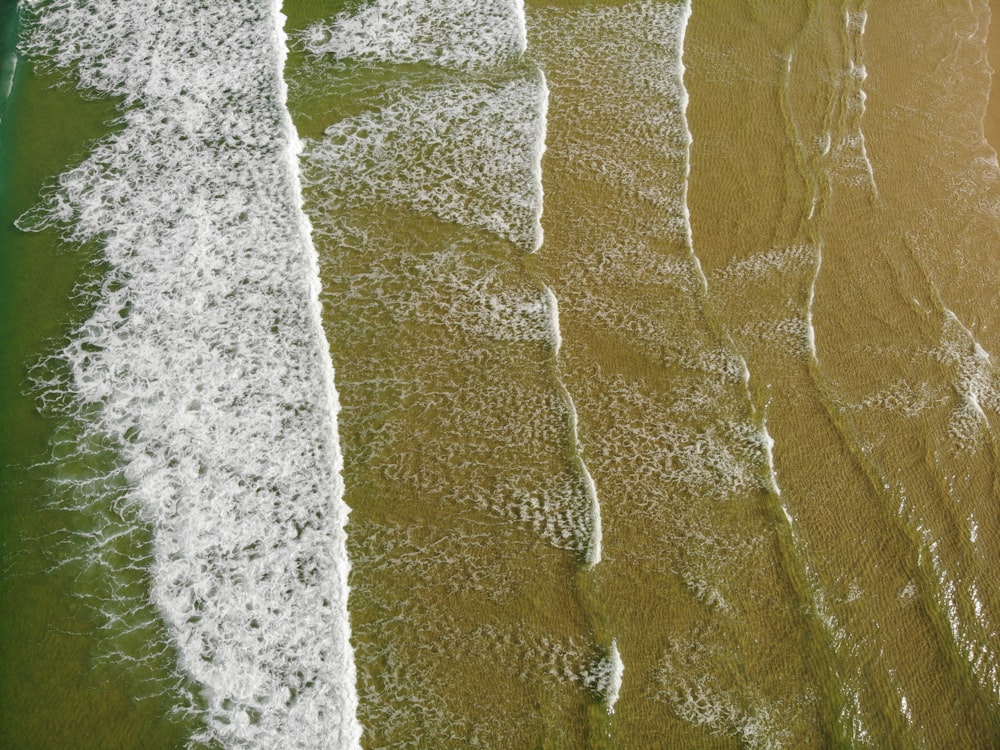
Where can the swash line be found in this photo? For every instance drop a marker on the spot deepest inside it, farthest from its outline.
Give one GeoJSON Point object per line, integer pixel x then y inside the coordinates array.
{"type": "Point", "coordinates": [766, 439]}
{"type": "Point", "coordinates": [593, 555]}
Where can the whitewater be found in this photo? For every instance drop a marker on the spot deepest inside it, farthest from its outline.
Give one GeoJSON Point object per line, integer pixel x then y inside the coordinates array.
{"type": "Point", "coordinates": [203, 361]}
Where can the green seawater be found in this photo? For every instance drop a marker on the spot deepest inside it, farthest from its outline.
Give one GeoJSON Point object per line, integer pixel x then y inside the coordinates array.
{"type": "Point", "coordinates": [59, 684]}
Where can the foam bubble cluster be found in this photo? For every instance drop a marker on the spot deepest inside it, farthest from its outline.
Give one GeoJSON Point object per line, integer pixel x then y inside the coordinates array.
{"type": "Point", "coordinates": [684, 679]}
{"type": "Point", "coordinates": [631, 134]}
{"type": "Point", "coordinates": [204, 361]}
{"type": "Point", "coordinates": [610, 675]}
{"type": "Point", "coordinates": [467, 152]}
{"type": "Point", "coordinates": [975, 381]}
{"type": "Point", "coordinates": [450, 33]}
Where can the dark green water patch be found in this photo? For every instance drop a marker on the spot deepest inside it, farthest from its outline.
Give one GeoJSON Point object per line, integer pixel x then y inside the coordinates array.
{"type": "Point", "coordinates": [60, 684]}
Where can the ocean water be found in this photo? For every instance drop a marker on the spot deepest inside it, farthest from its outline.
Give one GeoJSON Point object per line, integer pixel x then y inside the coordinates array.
{"type": "Point", "coordinates": [499, 373]}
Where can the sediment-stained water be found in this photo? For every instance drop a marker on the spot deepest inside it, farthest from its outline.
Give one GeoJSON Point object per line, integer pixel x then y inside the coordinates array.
{"type": "Point", "coordinates": [664, 398]}
{"type": "Point", "coordinates": [876, 420]}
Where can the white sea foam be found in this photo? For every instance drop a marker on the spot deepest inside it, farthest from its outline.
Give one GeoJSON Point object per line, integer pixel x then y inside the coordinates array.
{"type": "Point", "coordinates": [810, 328]}
{"type": "Point", "coordinates": [843, 149]}
{"type": "Point", "coordinates": [8, 68]}
{"type": "Point", "coordinates": [487, 303]}
{"type": "Point", "coordinates": [604, 676]}
{"type": "Point", "coordinates": [450, 33]}
{"type": "Point", "coordinates": [643, 156]}
{"type": "Point", "coordinates": [554, 320]}
{"type": "Point", "coordinates": [761, 266]}
{"type": "Point", "coordinates": [682, 24]}
{"type": "Point", "coordinates": [415, 696]}
{"type": "Point", "coordinates": [646, 166]}
{"type": "Point", "coordinates": [772, 474]}
{"type": "Point", "coordinates": [789, 336]}
{"type": "Point", "coordinates": [204, 356]}
{"type": "Point", "coordinates": [632, 75]}
{"type": "Point", "coordinates": [976, 381]}
{"type": "Point", "coordinates": [536, 158]}
{"type": "Point", "coordinates": [599, 669]}
{"type": "Point", "coordinates": [667, 447]}
{"type": "Point", "coordinates": [904, 397]}
{"type": "Point", "coordinates": [684, 679]}
{"type": "Point", "coordinates": [465, 312]}
{"type": "Point", "coordinates": [852, 147]}
{"type": "Point", "coordinates": [616, 677]}
{"type": "Point", "coordinates": [467, 152]}
{"type": "Point", "coordinates": [596, 533]}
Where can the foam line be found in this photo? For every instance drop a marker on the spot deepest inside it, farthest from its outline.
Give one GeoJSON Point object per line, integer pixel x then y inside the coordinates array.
{"type": "Point", "coordinates": [688, 142]}
{"type": "Point", "coordinates": [767, 441]}
{"type": "Point", "coordinates": [789, 110]}
{"type": "Point", "coordinates": [553, 304]}
{"type": "Point", "coordinates": [855, 23]}
{"type": "Point", "coordinates": [593, 554]}
{"type": "Point", "coordinates": [466, 151]}
{"type": "Point", "coordinates": [973, 369]}
{"type": "Point", "coordinates": [617, 674]}
{"type": "Point", "coordinates": [594, 550]}
{"type": "Point", "coordinates": [344, 731]}
{"type": "Point", "coordinates": [541, 117]}
{"type": "Point", "coordinates": [769, 453]}
{"type": "Point", "coordinates": [810, 329]}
